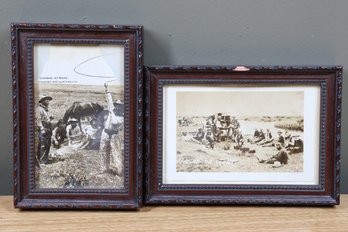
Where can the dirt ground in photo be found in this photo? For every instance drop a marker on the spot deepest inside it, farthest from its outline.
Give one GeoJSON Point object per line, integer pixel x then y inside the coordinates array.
{"type": "Point", "coordinates": [193, 156]}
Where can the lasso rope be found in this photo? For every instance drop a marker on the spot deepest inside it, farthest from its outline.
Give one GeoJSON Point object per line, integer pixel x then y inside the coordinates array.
{"type": "Point", "coordinates": [89, 75]}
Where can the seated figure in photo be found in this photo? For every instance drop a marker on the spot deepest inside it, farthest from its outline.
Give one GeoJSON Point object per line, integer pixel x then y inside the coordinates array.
{"type": "Point", "coordinates": [280, 140]}
{"type": "Point", "coordinates": [210, 138]}
{"type": "Point", "coordinates": [260, 138]}
{"type": "Point", "coordinates": [287, 138]}
{"type": "Point", "coordinates": [294, 143]}
{"type": "Point", "coordinates": [268, 138]}
{"type": "Point", "coordinates": [256, 134]}
{"type": "Point", "coordinates": [199, 135]}
{"type": "Point", "coordinates": [239, 138]}
{"type": "Point", "coordinates": [76, 137]}
{"type": "Point", "coordinates": [93, 137]}
{"type": "Point", "coordinates": [58, 134]}
{"type": "Point", "coordinates": [282, 156]}
{"type": "Point", "coordinates": [209, 124]}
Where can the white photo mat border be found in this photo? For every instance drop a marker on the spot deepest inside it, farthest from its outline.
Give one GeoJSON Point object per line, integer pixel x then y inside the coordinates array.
{"type": "Point", "coordinates": [310, 174]}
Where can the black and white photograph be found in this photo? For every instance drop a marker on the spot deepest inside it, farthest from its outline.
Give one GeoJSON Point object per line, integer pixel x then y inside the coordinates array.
{"type": "Point", "coordinates": [79, 116]}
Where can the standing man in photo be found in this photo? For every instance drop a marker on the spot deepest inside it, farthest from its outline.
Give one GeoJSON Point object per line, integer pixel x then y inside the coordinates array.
{"type": "Point", "coordinates": [43, 129]}
{"type": "Point", "coordinates": [110, 141]}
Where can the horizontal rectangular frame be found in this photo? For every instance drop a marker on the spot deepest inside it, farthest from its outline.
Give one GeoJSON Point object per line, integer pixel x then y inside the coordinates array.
{"type": "Point", "coordinates": [325, 193]}
{"type": "Point", "coordinates": [23, 36]}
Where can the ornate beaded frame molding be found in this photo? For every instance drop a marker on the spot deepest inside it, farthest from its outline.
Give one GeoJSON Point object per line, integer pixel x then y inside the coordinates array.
{"type": "Point", "coordinates": [133, 86]}
{"type": "Point", "coordinates": [159, 193]}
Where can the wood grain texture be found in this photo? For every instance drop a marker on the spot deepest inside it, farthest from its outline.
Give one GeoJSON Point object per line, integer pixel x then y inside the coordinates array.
{"type": "Point", "coordinates": [179, 218]}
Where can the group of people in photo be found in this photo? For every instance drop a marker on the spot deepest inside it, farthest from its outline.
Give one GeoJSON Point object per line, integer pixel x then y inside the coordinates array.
{"type": "Point", "coordinates": [89, 127]}
{"type": "Point", "coordinates": [225, 129]}
{"type": "Point", "coordinates": [286, 140]}
{"type": "Point", "coordinates": [218, 128]}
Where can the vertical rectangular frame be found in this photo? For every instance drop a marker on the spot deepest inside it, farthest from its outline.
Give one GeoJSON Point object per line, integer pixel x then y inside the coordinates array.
{"type": "Point", "coordinates": [23, 37]}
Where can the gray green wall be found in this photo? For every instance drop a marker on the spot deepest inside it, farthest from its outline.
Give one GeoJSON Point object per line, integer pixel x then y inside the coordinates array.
{"type": "Point", "coordinates": [212, 32]}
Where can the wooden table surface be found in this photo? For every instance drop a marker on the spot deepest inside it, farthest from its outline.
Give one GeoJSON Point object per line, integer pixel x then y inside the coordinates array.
{"type": "Point", "coordinates": [179, 218]}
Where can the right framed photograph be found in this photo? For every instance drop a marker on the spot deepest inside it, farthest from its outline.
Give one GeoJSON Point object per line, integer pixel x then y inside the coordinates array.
{"type": "Point", "coordinates": [243, 135]}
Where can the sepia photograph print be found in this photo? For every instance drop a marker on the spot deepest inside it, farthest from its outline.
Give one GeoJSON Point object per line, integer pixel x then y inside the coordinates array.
{"type": "Point", "coordinates": [241, 132]}
{"type": "Point", "coordinates": [77, 116]}
{"type": "Point", "coordinates": [235, 135]}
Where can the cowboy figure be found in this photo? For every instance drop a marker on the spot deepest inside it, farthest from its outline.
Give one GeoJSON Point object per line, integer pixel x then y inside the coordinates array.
{"type": "Point", "coordinates": [111, 141]}
{"type": "Point", "coordinates": [281, 156]}
{"type": "Point", "coordinates": [43, 129]}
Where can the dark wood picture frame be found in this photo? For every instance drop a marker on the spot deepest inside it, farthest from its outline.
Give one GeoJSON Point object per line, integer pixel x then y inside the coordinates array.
{"type": "Point", "coordinates": [24, 36]}
{"type": "Point", "coordinates": [325, 192]}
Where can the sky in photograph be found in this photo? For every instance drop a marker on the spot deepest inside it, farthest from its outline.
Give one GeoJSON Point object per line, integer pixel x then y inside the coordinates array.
{"type": "Point", "coordinates": [79, 64]}
{"type": "Point", "coordinates": [272, 102]}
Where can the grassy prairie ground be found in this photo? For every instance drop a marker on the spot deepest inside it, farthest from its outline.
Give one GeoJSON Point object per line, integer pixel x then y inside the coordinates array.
{"type": "Point", "coordinates": [69, 168]}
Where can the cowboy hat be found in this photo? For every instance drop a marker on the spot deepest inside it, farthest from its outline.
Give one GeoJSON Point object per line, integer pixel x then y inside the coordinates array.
{"type": "Point", "coordinates": [92, 121]}
{"type": "Point", "coordinates": [72, 120]}
{"type": "Point", "coordinates": [277, 164]}
{"type": "Point", "coordinates": [44, 97]}
{"type": "Point", "coordinates": [118, 102]}
{"type": "Point", "coordinates": [277, 144]}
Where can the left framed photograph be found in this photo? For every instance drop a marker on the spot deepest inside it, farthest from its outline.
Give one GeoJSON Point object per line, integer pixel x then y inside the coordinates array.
{"type": "Point", "coordinates": [77, 115]}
